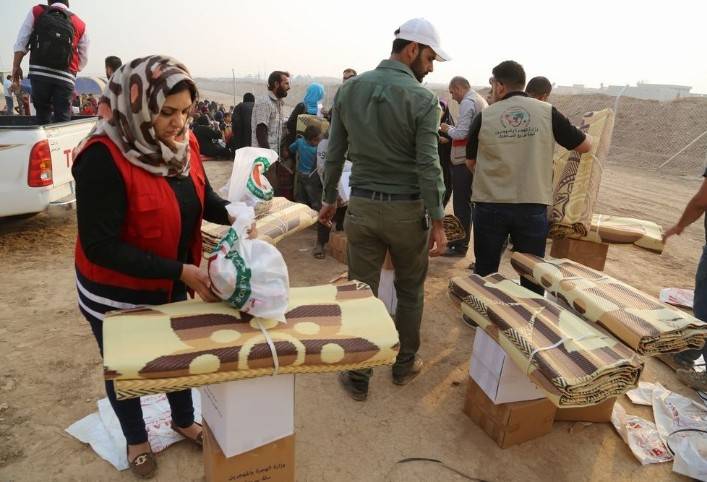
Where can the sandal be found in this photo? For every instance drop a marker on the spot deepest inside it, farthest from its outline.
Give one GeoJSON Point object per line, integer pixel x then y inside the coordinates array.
{"type": "Point", "coordinates": [143, 466]}
{"type": "Point", "coordinates": [318, 252]}
{"type": "Point", "coordinates": [198, 441]}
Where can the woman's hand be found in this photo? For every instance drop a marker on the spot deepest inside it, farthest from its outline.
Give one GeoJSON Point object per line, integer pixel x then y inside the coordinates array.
{"type": "Point", "coordinates": [253, 231]}
{"type": "Point", "coordinates": [199, 281]}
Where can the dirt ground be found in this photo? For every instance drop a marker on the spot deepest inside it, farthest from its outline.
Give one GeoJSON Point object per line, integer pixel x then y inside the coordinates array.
{"type": "Point", "coordinates": [50, 373]}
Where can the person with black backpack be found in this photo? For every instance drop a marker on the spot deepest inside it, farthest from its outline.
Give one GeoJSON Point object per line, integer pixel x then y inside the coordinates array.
{"type": "Point", "coordinates": [58, 45]}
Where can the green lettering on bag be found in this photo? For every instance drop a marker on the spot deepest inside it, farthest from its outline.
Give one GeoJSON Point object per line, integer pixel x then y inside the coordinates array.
{"type": "Point", "coordinates": [242, 291]}
{"type": "Point", "coordinates": [256, 188]}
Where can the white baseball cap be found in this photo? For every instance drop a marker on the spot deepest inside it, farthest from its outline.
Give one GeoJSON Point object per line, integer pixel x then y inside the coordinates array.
{"type": "Point", "coordinates": [422, 31]}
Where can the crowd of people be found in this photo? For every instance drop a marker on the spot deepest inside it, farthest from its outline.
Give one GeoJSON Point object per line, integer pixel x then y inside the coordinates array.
{"type": "Point", "coordinates": [142, 191]}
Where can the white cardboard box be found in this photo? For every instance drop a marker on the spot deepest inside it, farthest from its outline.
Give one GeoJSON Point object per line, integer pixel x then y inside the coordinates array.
{"type": "Point", "coordinates": [500, 379]}
{"type": "Point", "coordinates": [246, 414]}
{"type": "Point", "coordinates": [386, 290]}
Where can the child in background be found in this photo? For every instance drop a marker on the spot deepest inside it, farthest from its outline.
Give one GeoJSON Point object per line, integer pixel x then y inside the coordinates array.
{"type": "Point", "coordinates": [308, 188]}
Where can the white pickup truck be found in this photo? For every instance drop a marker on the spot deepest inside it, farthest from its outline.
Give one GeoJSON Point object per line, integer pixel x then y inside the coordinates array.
{"type": "Point", "coordinates": [35, 162]}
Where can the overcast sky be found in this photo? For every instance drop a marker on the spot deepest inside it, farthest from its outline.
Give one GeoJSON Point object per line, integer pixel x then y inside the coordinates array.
{"type": "Point", "coordinates": [570, 42]}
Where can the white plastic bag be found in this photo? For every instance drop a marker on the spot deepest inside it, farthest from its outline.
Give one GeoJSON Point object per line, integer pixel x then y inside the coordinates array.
{"type": "Point", "coordinates": [248, 183]}
{"type": "Point", "coordinates": [690, 454]}
{"type": "Point", "coordinates": [101, 429]}
{"type": "Point", "coordinates": [641, 436]}
{"type": "Point", "coordinates": [249, 274]}
{"type": "Point", "coordinates": [674, 412]}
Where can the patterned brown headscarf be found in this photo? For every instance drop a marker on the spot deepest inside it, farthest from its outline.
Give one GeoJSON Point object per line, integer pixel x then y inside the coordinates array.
{"type": "Point", "coordinates": [132, 100]}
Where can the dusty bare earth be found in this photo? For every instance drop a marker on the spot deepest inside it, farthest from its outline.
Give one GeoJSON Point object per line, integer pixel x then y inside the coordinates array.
{"type": "Point", "coordinates": [50, 371]}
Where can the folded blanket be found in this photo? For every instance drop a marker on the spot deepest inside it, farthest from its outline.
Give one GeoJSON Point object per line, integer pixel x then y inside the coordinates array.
{"type": "Point", "coordinates": [569, 359]}
{"type": "Point", "coordinates": [577, 177]}
{"type": "Point", "coordinates": [281, 219]}
{"type": "Point", "coordinates": [617, 230]}
{"type": "Point", "coordinates": [188, 344]}
{"type": "Point", "coordinates": [642, 322]}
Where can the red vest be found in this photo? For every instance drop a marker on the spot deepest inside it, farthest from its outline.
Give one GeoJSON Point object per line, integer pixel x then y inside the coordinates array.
{"type": "Point", "coordinates": [152, 221]}
{"type": "Point", "coordinates": [79, 29]}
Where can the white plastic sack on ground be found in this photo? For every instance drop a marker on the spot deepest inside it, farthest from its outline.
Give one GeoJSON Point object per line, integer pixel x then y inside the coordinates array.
{"type": "Point", "coordinates": [674, 412]}
{"type": "Point", "coordinates": [690, 455]}
{"type": "Point", "coordinates": [249, 274]}
{"type": "Point", "coordinates": [641, 436]}
{"type": "Point", "coordinates": [101, 430]}
{"type": "Point", "coordinates": [643, 395]}
{"type": "Point", "coordinates": [678, 297]}
{"type": "Point", "coordinates": [248, 183]}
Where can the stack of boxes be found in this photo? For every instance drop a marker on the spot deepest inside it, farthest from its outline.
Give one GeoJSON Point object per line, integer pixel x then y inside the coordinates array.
{"type": "Point", "coordinates": [249, 430]}
{"type": "Point", "coordinates": [510, 408]}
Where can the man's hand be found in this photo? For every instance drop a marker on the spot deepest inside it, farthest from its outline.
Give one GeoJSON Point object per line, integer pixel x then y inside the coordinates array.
{"type": "Point", "coordinates": [326, 213]}
{"type": "Point", "coordinates": [444, 127]}
{"type": "Point", "coordinates": [471, 164]}
{"type": "Point", "coordinates": [438, 240]}
{"type": "Point", "coordinates": [199, 281]}
{"type": "Point", "coordinates": [677, 229]}
{"type": "Point", "coordinates": [16, 75]}
{"type": "Point", "coordinates": [443, 140]}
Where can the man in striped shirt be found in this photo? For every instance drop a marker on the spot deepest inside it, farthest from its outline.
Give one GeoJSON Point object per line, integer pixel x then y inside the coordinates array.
{"type": "Point", "coordinates": [52, 77]}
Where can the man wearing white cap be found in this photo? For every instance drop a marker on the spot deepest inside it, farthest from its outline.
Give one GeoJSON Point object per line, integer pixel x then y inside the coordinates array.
{"type": "Point", "coordinates": [388, 124]}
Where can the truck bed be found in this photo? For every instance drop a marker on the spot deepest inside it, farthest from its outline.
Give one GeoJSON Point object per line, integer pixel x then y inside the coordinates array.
{"type": "Point", "coordinates": [30, 122]}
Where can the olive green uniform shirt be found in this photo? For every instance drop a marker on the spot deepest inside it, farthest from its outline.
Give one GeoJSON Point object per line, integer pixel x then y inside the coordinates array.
{"type": "Point", "coordinates": [386, 124]}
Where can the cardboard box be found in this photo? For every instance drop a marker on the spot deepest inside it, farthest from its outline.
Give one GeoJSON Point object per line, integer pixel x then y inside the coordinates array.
{"type": "Point", "coordinates": [509, 423]}
{"type": "Point", "coordinates": [584, 252]}
{"type": "Point", "coordinates": [337, 246]}
{"type": "Point", "coordinates": [247, 414]}
{"type": "Point", "coordinates": [500, 379]}
{"type": "Point", "coordinates": [596, 413]}
{"type": "Point", "coordinates": [274, 462]}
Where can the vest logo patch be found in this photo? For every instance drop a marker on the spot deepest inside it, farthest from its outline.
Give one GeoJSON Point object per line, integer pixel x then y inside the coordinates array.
{"type": "Point", "coordinates": [516, 123]}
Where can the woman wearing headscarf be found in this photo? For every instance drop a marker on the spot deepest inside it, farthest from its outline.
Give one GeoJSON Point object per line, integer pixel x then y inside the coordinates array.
{"type": "Point", "coordinates": [311, 104]}
{"type": "Point", "coordinates": [141, 194]}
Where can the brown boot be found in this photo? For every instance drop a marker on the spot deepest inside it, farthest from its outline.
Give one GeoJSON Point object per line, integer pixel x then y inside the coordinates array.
{"type": "Point", "coordinates": [410, 375]}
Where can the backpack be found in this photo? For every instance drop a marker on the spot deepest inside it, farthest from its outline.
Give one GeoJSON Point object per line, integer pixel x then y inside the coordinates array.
{"type": "Point", "coordinates": [52, 40]}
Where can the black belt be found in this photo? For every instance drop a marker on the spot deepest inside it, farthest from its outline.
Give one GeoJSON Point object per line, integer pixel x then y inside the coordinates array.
{"type": "Point", "coordinates": [382, 196]}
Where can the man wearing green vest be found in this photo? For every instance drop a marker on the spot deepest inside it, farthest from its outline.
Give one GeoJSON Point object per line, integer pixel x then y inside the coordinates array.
{"type": "Point", "coordinates": [510, 152]}
{"type": "Point", "coordinates": [388, 123]}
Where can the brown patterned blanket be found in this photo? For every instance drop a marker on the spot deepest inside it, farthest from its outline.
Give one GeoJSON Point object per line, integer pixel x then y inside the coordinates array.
{"type": "Point", "coordinates": [577, 177]}
{"type": "Point", "coordinates": [642, 322]}
{"type": "Point", "coordinates": [189, 344]}
{"type": "Point", "coordinates": [573, 362]}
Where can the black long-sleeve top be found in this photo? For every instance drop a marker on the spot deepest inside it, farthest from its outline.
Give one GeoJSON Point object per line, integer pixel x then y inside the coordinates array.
{"type": "Point", "coordinates": [101, 205]}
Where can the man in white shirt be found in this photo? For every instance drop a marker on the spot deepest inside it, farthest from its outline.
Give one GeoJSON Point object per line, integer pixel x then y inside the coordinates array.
{"type": "Point", "coordinates": [267, 123]}
{"type": "Point", "coordinates": [470, 103]}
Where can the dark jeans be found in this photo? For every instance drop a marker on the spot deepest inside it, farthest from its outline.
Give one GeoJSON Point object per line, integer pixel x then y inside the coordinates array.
{"type": "Point", "coordinates": [462, 179]}
{"type": "Point", "coordinates": [700, 306]}
{"type": "Point", "coordinates": [323, 232]}
{"type": "Point", "coordinates": [308, 190]}
{"type": "Point", "coordinates": [374, 228]}
{"type": "Point", "coordinates": [445, 152]}
{"type": "Point", "coordinates": [129, 412]}
{"type": "Point", "coordinates": [49, 95]}
{"type": "Point", "coordinates": [9, 105]}
{"type": "Point", "coordinates": [494, 222]}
